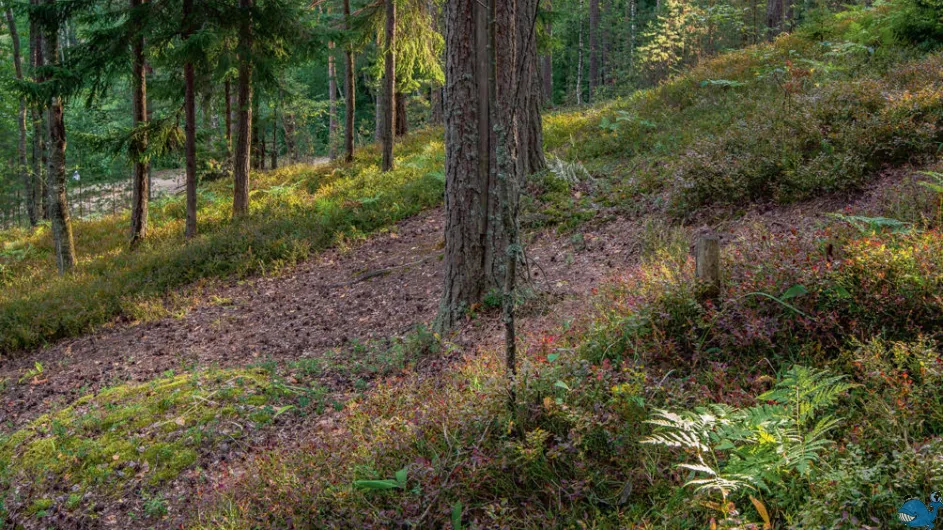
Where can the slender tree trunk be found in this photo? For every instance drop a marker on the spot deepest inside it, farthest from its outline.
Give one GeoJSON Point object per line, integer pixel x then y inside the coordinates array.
{"type": "Point", "coordinates": [190, 111]}
{"type": "Point", "coordinates": [389, 86]}
{"type": "Point", "coordinates": [632, 7]}
{"type": "Point", "coordinates": [40, 127]}
{"type": "Point", "coordinates": [263, 137]}
{"type": "Point", "coordinates": [579, 65]}
{"type": "Point", "coordinates": [332, 108]}
{"type": "Point", "coordinates": [400, 121]}
{"type": "Point", "coordinates": [227, 87]}
{"type": "Point", "coordinates": [548, 63]}
{"type": "Point", "coordinates": [244, 118]}
{"type": "Point", "coordinates": [378, 122]}
{"type": "Point", "coordinates": [140, 181]}
{"type": "Point", "coordinates": [22, 166]}
{"type": "Point", "coordinates": [58, 201]}
{"type": "Point", "coordinates": [289, 130]}
{"type": "Point", "coordinates": [350, 91]}
{"type": "Point", "coordinates": [593, 47]}
{"type": "Point", "coordinates": [775, 17]}
{"type": "Point", "coordinates": [275, 137]}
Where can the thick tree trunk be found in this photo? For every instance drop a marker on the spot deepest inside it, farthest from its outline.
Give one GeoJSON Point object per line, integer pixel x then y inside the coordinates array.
{"type": "Point", "coordinates": [350, 92]}
{"type": "Point", "coordinates": [400, 121]}
{"type": "Point", "coordinates": [389, 86]}
{"type": "Point", "coordinates": [593, 47]}
{"type": "Point", "coordinates": [189, 103]}
{"type": "Point", "coordinates": [140, 181]}
{"type": "Point", "coordinates": [775, 17]}
{"type": "Point", "coordinates": [332, 107]}
{"type": "Point", "coordinates": [29, 187]}
{"type": "Point", "coordinates": [244, 119]}
{"type": "Point", "coordinates": [467, 158]}
{"type": "Point", "coordinates": [527, 107]}
{"type": "Point", "coordinates": [58, 203]}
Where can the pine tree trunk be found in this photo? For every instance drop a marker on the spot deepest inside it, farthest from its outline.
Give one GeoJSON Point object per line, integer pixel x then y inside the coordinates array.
{"type": "Point", "coordinates": [400, 121]}
{"type": "Point", "coordinates": [579, 63]}
{"type": "Point", "coordinates": [389, 86]}
{"type": "Point", "coordinates": [189, 104]}
{"type": "Point", "coordinates": [140, 180]}
{"type": "Point", "coordinates": [775, 16]}
{"type": "Point", "coordinates": [467, 158]}
{"type": "Point", "coordinates": [332, 107]}
{"type": "Point", "coordinates": [244, 118]}
{"type": "Point", "coordinates": [593, 47]}
{"type": "Point", "coordinates": [350, 92]}
{"type": "Point", "coordinates": [378, 111]}
{"type": "Point", "coordinates": [228, 90]}
{"type": "Point", "coordinates": [527, 107]}
{"type": "Point", "coordinates": [40, 128]}
{"type": "Point", "coordinates": [275, 137]}
{"type": "Point", "coordinates": [289, 130]}
{"type": "Point", "coordinates": [58, 203]}
{"type": "Point", "coordinates": [548, 64]}
{"type": "Point", "coordinates": [22, 166]}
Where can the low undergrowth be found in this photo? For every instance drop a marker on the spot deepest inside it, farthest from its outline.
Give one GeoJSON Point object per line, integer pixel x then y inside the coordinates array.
{"type": "Point", "coordinates": [802, 395]}
{"type": "Point", "coordinates": [294, 212]}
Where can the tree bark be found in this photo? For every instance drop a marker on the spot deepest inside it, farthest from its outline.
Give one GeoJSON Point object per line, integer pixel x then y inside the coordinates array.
{"type": "Point", "coordinates": [58, 201]}
{"type": "Point", "coordinates": [467, 158]}
{"type": "Point", "coordinates": [775, 17]}
{"type": "Point", "coordinates": [548, 64]}
{"type": "Point", "coordinates": [22, 166]}
{"type": "Point", "coordinates": [227, 88]}
{"type": "Point", "coordinates": [332, 108]}
{"type": "Point", "coordinates": [527, 106]}
{"type": "Point", "coordinates": [400, 121]}
{"type": "Point", "coordinates": [40, 128]}
{"type": "Point", "coordinates": [244, 118]}
{"type": "Point", "coordinates": [289, 130]}
{"type": "Point", "coordinates": [579, 65]}
{"type": "Point", "coordinates": [593, 47]}
{"type": "Point", "coordinates": [140, 181]}
{"type": "Point", "coordinates": [275, 137]}
{"type": "Point", "coordinates": [389, 86]}
{"type": "Point", "coordinates": [190, 111]}
{"type": "Point", "coordinates": [350, 89]}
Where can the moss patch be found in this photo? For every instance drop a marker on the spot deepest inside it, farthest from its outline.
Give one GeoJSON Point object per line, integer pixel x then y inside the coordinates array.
{"type": "Point", "coordinates": [133, 436]}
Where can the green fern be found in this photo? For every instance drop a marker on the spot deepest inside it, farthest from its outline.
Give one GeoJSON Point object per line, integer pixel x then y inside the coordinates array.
{"type": "Point", "coordinates": [756, 447]}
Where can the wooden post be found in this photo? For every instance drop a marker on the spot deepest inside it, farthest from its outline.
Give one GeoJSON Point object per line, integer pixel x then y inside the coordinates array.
{"type": "Point", "coordinates": [708, 264]}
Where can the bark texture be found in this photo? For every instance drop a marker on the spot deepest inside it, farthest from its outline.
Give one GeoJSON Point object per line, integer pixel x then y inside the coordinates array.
{"type": "Point", "coordinates": [593, 47]}
{"type": "Point", "coordinates": [332, 107]}
{"type": "Point", "coordinates": [242, 156]}
{"type": "Point", "coordinates": [467, 166]}
{"type": "Point", "coordinates": [58, 203]}
{"type": "Point", "coordinates": [140, 181]}
{"type": "Point", "coordinates": [400, 121]}
{"type": "Point", "coordinates": [40, 129]}
{"type": "Point", "coordinates": [389, 86]}
{"type": "Point", "coordinates": [189, 104]}
{"type": "Point", "coordinates": [350, 92]}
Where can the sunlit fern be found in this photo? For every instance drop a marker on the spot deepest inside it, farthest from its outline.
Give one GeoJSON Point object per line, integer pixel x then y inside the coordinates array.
{"type": "Point", "coordinates": [756, 447]}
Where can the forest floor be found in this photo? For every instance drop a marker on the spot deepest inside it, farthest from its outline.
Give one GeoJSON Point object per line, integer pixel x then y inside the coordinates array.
{"type": "Point", "coordinates": [383, 287]}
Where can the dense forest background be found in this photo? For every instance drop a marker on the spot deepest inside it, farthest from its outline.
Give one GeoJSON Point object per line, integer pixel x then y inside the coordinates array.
{"type": "Point", "coordinates": [589, 49]}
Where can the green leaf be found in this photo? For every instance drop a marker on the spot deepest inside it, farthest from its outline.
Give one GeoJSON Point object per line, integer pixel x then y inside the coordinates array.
{"type": "Point", "coordinates": [553, 357]}
{"type": "Point", "coordinates": [282, 410]}
{"type": "Point", "coordinates": [376, 484]}
{"type": "Point", "coordinates": [794, 291]}
{"type": "Point", "coordinates": [561, 384]}
{"type": "Point", "coordinates": [457, 516]}
{"type": "Point", "coordinates": [401, 477]}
